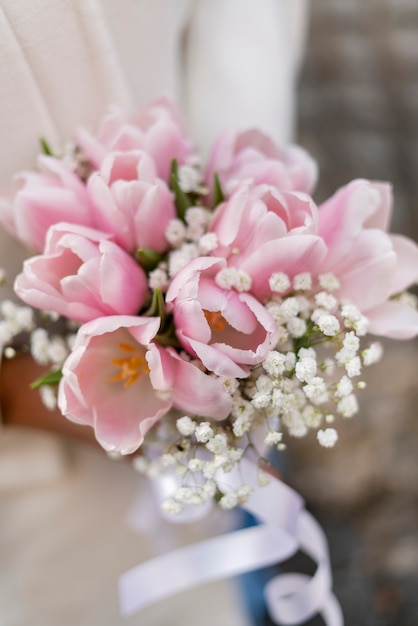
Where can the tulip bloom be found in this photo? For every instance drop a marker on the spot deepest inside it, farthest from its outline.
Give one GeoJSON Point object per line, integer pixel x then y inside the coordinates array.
{"type": "Point", "coordinates": [228, 331]}
{"type": "Point", "coordinates": [157, 130]}
{"type": "Point", "coordinates": [41, 199]}
{"type": "Point", "coordinates": [370, 264]}
{"type": "Point", "coordinates": [82, 275]}
{"type": "Point", "coordinates": [251, 155]}
{"type": "Point", "coordinates": [261, 231]}
{"type": "Point", "coordinates": [130, 202]}
{"type": "Point", "coordinates": [120, 382]}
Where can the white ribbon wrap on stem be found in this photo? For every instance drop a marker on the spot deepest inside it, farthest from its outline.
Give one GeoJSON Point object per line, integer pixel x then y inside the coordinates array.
{"type": "Point", "coordinates": [285, 527]}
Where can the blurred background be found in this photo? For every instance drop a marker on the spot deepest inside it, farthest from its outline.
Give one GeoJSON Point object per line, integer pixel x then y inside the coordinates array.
{"type": "Point", "coordinates": [358, 115]}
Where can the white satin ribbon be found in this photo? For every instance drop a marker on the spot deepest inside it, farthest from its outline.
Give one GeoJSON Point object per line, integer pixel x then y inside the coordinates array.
{"type": "Point", "coordinates": [285, 528]}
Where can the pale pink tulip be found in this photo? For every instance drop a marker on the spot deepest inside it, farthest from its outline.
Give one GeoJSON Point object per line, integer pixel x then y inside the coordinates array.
{"type": "Point", "coordinates": [130, 202]}
{"type": "Point", "coordinates": [41, 199]}
{"type": "Point", "coordinates": [370, 264]}
{"type": "Point", "coordinates": [156, 129]}
{"type": "Point", "coordinates": [227, 330]}
{"type": "Point", "coordinates": [121, 383]}
{"type": "Point", "coordinates": [82, 275]}
{"type": "Point", "coordinates": [262, 230]}
{"type": "Point", "coordinates": [237, 156]}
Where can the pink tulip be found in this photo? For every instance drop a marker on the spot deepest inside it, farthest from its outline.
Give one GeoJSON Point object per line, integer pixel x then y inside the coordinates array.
{"type": "Point", "coordinates": [262, 231]}
{"type": "Point", "coordinates": [228, 331]}
{"type": "Point", "coordinates": [237, 156]}
{"type": "Point", "coordinates": [157, 129]}
{"type": "Point", "coordinates": [130, 202]}
{"type": "Point", "coordinates": [371, 265]}
{"type": "Point", "coordinates": [121, 383]}
{"type": "Point", "coordinates": [43, 199]}
{"type": "Point", "coordinates": [82, 275]}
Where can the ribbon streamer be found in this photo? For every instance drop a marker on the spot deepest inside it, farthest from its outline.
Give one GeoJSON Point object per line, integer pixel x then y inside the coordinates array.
{"type": "Point", "coordinates": [285, 527]}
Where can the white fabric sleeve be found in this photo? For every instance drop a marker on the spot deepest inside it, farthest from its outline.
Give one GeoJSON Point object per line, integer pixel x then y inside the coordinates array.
{"type": "Point", "coordinates": [241, 63]}
{"type": "Point", "coordinates": [58, 70]}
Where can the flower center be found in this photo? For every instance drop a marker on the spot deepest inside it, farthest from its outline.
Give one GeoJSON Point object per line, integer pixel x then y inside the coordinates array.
{"type": "Point", "coordinates": [131, 366]}
{"type": "Point", "coordinates": [215, 320]}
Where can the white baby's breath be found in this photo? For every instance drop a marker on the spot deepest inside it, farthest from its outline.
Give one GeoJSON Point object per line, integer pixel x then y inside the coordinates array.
{"type": "Point", "coordinates": [302, 281]}
{"type": "Point", "coordinates": [329, 281]}
{"type": "Point", "coordinates": [328, 437]}
{"type": "Point", "coordinates": [185, 425]}
{"type": "Point", "coordinates": [329, 325]}
{"type": "Point", "coordinates": [279, 282]}
{"type": "Point", "coordinates": [203, 432]}
{"type": "Point", "coordinates": [373, 353]}
{"type": "Point", "coordinates": [175, 232]}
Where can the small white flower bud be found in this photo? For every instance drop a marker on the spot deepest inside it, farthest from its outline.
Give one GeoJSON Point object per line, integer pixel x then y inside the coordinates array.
{"type": "Point", "coordinates": [175, 232]}
{"type": "Point", "coordinates": [185, 425]}
{"type": "Point", "coordinates": [302, 281]}
{"type": "Point", "coordinates": [328, 437]}
{"type": "Point", "coordinates": [272, 438]}
{"type": "Point", "coordinates": [329, 282]}
{"type": "Point", "coordinates": [306, 369]}
{"type": "Point", "coordinates": [353, 367]}
{"type": "Point", "coordinates": [203, 432]}
{"type": "Point", "coordinates": [172, 507]}
{"type": "Point", "coordinates": [373, 353]}
{"type": "Point", "coordinates": [274, 363]}
{"type": "Point", "coordinates": [207, 243]}
{"type": "Point", "coordinates": [329, 325]}
{"type": "Point", "coordinates": [344, 387]}
{"type": "Point", "coordinates": [279, 282]}
{"type": "Point", "coordinates": [158, 279]}
{"type": "Point", "coordinates": [217, 444]}
{"type": "Point", "coordinates": [296, 327]}
{"type": "Point", "coordinates": [228, 501]}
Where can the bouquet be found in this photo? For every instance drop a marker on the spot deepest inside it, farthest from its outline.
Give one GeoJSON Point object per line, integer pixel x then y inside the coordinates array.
{"type": "Point", "coordinates": [196, 316]}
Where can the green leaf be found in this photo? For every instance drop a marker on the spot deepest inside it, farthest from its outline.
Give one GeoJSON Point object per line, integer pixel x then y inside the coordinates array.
{"type": "Point", "coordinates": [46, 148]}
{"type": "Point", "coordinates": [167, 334]}
{"type": "Point", "coordinates": [181, 199]}
{"type": "Point", "coordinates": [302, 342]}
{"type": "Point", "coordinates": [148, 258]}
{"type": "Point", "coordinates": [218, 194]}
{"type": "Point", "coordinates": [157, 307]}
{"type": "Point", "coordinates": [52, 378]}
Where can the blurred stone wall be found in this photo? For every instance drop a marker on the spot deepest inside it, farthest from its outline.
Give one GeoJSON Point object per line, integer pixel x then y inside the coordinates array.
{"type": "Point", "coordinates": [358, 102]}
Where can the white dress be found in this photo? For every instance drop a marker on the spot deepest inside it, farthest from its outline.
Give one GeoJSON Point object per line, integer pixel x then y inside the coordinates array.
{"type": "Point", "coordinates": [64, 539]}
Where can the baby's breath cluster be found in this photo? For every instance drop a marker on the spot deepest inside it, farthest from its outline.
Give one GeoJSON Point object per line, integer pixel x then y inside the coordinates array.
{"type": "Point", "coordinates": [202, 450]}
{"type": "Point", "coordinates": [189, 239]}
{"type": "Point", "coordinates": [46, 337]}
{"type": "Point", "coordinates": [16, 320]}
{"type": "Point", "coordinates": [311, 376]}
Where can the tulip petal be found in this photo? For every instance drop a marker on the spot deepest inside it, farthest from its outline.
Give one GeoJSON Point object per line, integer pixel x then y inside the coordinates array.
{"type": "Point", "coordinates": [291, 255]}
{"type": "Point", "coordinates": [344, 215]}
{"type": "Point", "coordinates": [406, 273]}
{"type": "Point", "coordinates": [394, 319]}
{"type": "Point", "coordinates": [198, 393]}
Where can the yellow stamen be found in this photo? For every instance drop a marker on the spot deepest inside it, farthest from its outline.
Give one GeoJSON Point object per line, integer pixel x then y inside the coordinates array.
{"type": "Point", "coordinates": [131, 367]}
{"type": "Point", "coordinates": [127, 347]}
{"type": "Point", "coordinates": [215, 320]}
